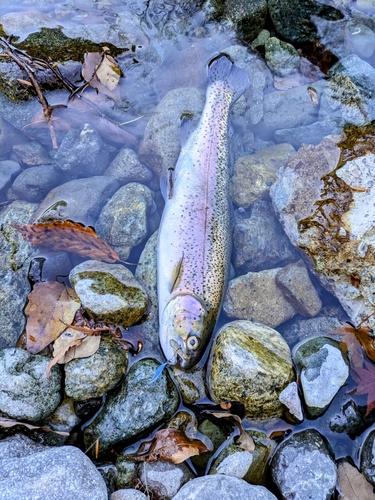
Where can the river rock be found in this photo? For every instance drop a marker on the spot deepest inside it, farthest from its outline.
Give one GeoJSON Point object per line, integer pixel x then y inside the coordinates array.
{"type": "Point", "coordinates": [34, 183]}
{"type": "Point", "coordinates": [79, 200]}
{"type": "Point", "coordinates": [368, 458]}
{"type": "Point", "coordinates": [254, 174]}
{"type": "Point", "coordinates": [248, 297]}
{"type": "Point", "coordinates": [31, 154]}
{"type": "Point", "coordinates": [64, 418]}
{"type": "Point", "coordinates": [259, 240]}
{"type": "Point", "coordinates": [295, 283]}
{"type": "Point", "coordinates": [8, 171]}
{"type": "Point", "coordinates": [303, 468]}
{"type": "Point", "coordinates": [281, 57]}
{"type": "Point", "coordinates": [123, 221]}
{"type": "Point", "coordinates": [9, 136]}
{"type": "Point", "coordinates": [252, 467]}
{"type": "Point", "coordinates": [16, 254]}
{"type": "Point", "coordinates": [349, 420]}
{"type": "Point", "coordinates": [323, 370]}
{"type": "Point", "coordinates": [250, 363]}
{"type": "Point", "coordinates": [160, 145]}
{"type": "Point", "coordinates": [135, 407]}
{"type": "Point", "coordinates": [127, 472]}
{"type": "Point", "coordinates": [126, 167]}
{"type": "Point", "coordinates": [82, 153]}
{"type": "Point", "coordinates": [25, 391]}
{"type": "Point", "coordinates": [307, 134]}
{"type": "Point", "coordinates": [289, 397]}
{"type": "Point", "coordinates": [216, 435]}
{"type": "Point", "coordinates": [95, 375]}
{"type": "Point", "coordinates": [109, 292]}
{"type": "Point", "coordinates": [66, 471]}
{"type": "Point", "coordinates": [222, 487]}
{"type": "Point", "coordinates": [338, 241]}
{"type": "Point", "coordinates": [299, 329]}
{"type": "Point", "coordinates": [361, 38]}
{"type": "Point", "coordinates": [128, 494]}
{"type": "Point", "coordinates": [164, 479]}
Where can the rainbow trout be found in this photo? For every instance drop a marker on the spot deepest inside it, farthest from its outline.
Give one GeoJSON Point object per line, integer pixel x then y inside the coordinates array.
{"type": "Point", "coordinates": [194, 242]}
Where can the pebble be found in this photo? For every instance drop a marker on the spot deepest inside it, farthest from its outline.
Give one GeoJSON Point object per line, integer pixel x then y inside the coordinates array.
{"type": "Point", "coordinates": [128, 494]}
{"type": "Point", "coordinates": [299, 329]}
{"type": "Point", "coordinates": [350, 420]}
{"type": "Point", "coordinates": [289, 397]}
{"type": "Point", "coordinates": [31, 154]}
{"type": "Point", "coordinates": [281, 57]}
{"type": "Point", "coordinates": [109, 292]}
{"type": "Point", "coordinates": [34, 183]}
{"type": "Point", "coordinates": [64, 418]}
{"type": "Point", "coordinates": [126, 472]}
{"type": "Point", "coordinates": [250, 363]}
{"type": "Point", "coordinates": [126, 167]}
{"type": "Point", "coordinates": [368, 458]}
{"type": "Point", "coordinates": [217, 436]}
{"type": "Point", "coordinates": [361, 38]}
{"type": "Point", "coordinates": [164, 479]}
{"type": "Point", "coordinates": [9, 136]}
{"type": "Point", "coordinates": [8, 171]}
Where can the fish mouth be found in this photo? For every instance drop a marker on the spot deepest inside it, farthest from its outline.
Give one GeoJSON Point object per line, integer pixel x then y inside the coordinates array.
{"type": "Point", "coordinates": [181, 357]}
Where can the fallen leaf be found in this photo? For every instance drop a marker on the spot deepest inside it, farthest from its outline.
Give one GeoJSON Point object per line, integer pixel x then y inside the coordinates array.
{"type": "Point", "coordinates": [243, 440]}
{"type": "Point", "coordinates": [60, 354]}
{"type": "Point", "coordinates": [349, 343]}
{"type": "Point", "coordinates": [169, 445]}
{"type": "Point", "coordinates": [8, 422]}
{"type": "Point", "coordinates": [352, 484]}
{"type": "Point", "coordinates": [109, 72]}
{"type": "Point", "coordinates": [70, 236]}
{"type": "Point", "coordinates": [102, 72]}
{"type": "Point", "coordinates": [50, 305]}
{"type": "Point", "coordinates": [365, 378]}
{"type": "Point", "coordinates": [88, 346]}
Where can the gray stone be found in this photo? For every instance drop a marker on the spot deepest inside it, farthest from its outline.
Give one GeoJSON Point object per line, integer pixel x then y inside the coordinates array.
{"type": "Point", "coordinates": [307, 134]}
{"type": "Point", "coordinates": [160, 145]}
{"type": "Point", "coordinates": [8, 171]}
{"type": "Point", "coordinates": [295, 283]}
{"type": "Point", "coordinates": [9, 136]}
{"type": "Point", "coordinates": [31, 154]}
{"type": "Point", "coordinates": [15, 256]}
{"type": "Point", "coordinates": [323, 370]}
{"type": "Point", "coordinates": [108, 472]}
{"type": "Point", "coordinates": [163, 478]}
{"type": "Point", "coordinates": [64, 418]}
{"type": "Point", "coordinates": [281, 57]}
{"type": "Point", "coordinates": [349, 421]}
{"type": "Point", "coordinates": [126, 167]}
{"type": "Point", "coordinates": [109, 292]}
{"type": "Point", "coordinates": [25, 391]}
{"type": "Point", "coordinates": [290, 399]}
{"type": "Point", "coordinates": [256, 297]}
{"type": "Point", "coordinates": [95, 375]}
{"type": "Point", "coordinates": [34, 183]}
{"type": "Point", "coordinates": [19, 446]}
{"type": "Point", "coordinates": [128, 494]}
{"type": "Point", "coordinates": [298, 329]}
{"type": "Point", "coordinates": [261, 39]}
{"type": "Point", "coordinates": [222, 487]}
{"type": "Point", "coordinates": [134, 408]}
{"type": "Point", "coordinates": [361, 38]}
{"type": "Point", "coordinates": [123, 222]}
{"type": "Point", "coordinates": [82, 153]}
{"type": "Point", "coordinates": [368, 458]}
{"type": "Point", "coordinates": [127, 472]}
{"type": "Point", "coordinates": [250, 363]}
{"type": "Point", "coordinates": [80, 200]}
{"type": "Point", "coordinates": [302, 467]}
{"type": "Point", "coordinates": [259, 240]}
{"type": "Point", "coordinates": [254, 174]}
{"type": "Point", "coordinates": [66, 472]}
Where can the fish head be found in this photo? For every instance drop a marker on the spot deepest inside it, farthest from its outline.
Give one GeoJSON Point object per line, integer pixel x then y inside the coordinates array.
{"type": "Point", "coordinates": [182, 330]}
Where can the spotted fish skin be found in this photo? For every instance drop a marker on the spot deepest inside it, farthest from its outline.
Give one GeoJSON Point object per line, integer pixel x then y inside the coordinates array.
{"type": "Point", "coordinates": [194, 242]}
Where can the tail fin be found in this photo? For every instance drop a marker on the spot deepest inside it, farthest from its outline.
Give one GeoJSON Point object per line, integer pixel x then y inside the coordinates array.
{"type": "Point", "coordinates": [222, 68]}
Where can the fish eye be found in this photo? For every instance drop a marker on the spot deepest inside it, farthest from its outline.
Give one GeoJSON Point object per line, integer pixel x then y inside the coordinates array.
{"type": "Point", "coordinates": [192, 342]}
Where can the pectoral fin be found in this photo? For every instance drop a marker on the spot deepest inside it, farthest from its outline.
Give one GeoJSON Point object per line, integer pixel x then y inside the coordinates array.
{"type": "Point", "coordinates": [177, 274]}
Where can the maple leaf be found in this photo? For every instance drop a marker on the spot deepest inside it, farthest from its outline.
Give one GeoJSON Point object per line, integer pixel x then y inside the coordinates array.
{"type": "Point", "coordinates": [349, 343]}
{"type": "Point", "coordinates": [70, 236]}
{"type": "Point", "coordinates": [365, 378]}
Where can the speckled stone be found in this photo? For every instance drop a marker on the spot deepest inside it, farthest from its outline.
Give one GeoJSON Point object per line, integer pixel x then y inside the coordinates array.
{"type": "Point", "coordinates": [31, 154]}
{"type": "Point", "coordinates": [8, 171]}
{"type": "Point", "coordinates": [34, 183]}
{"type": "Point", "coordinates": [127, 472]}
{"type": "Point", "coordinates": [128, 494]}
{"type": "Point", "coordinates": [64, 418]}
{"type": "Point", "coordinates": [94, 376]}
{"type": "Point", "coordinates": [109, 292]}
{"type": "Point", "coordinates": [281, 57]}
{"type": "Point", "coordinates": [368, 458]}
{"type": "Point", "coordinates": [135, 407]}
{"type": "Point", "coordinates": [289, 397]}
{"type": "Point", "coordinates": [250, 363]}
{"type": "Point", "coordinates": [25, 391]}
{"type": "Point", "coordinates": [163, 478]}
{"type": "Point", "coordinates": [126, 167]}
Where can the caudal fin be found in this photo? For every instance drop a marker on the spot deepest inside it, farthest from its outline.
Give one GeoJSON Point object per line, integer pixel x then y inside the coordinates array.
{"type": "Point", "coordinates": [221, 68]}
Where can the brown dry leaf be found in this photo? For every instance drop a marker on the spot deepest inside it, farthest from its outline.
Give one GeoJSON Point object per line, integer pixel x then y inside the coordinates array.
{"type": "Point", "coordinates": [51, 304]}
{"type": "Point", "coordinates": [349, 343]}
{"type": "Point", "coordinates": [57, 357]}
{"type": "Point", "coordinates": [243, 440]}
{"type": "Point", "coordinates": [109, 72]}
{"type": "Point", "coordinates": [170, 445]}
{"type": "Point", "coordinates": [70, 236]}
{"type": "Point", "coordinates": [88, 346]}
{"type": "Point", "coordinates": [352, 484]}
{"type": "Point", "coordinates": [8, 422]}
{"type": "Point", "coordinates": [102, 72]}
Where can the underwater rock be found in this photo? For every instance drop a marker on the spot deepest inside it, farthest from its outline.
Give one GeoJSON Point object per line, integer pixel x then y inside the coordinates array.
{"type": "Point", "coordinates": [127, 472]}
{"type": "Point", "coordinates": [95, 375]}
{"type": "Point", "coordinates": [123, 221]}
{"type": "Point", "coordinates": [323, 370]}
{"type": "Point", "coordinates": [216, 435]}
{"type": "Point", "coordinates": [298, 328]}
{"type": "Point", "coordinates": [64, 418]}
{"type": "Point", "coordinates": [289, 397]}
{"type": "Point", "coordinates": [307, 134]}
{"type": "Point", "coordinates": [34, 183]}
{"type": "Point", "coordinates": [281, 57]}
{"type": "Point", "coordinates": [135, 408]}
{"type": "Point", "coordinates": [250, 363]}
{"type": "Point", "coordinates": [368, 458]}
{"type": "Point", "coordinates": [9, 136]}
{"type": "Point", "coordinates": [302, 467]}
{"type": "Point", "coordinates": [79, 200]}
{"type": "Point", "coordinates": [350, 420]}
{"type": "Point", "coordinates": [8, 171]}
{"type": "Point", "coordinates": [164, 479]}
{"type": "Point", "coordinates": [126, 167]}
{"type": "Point", "coordinates": [259, 240]}
{"type": "Point", "coordinates": [25, 391]}
{"type": "Point", "coordinates": [109, 292]}
{"type": "Point", "coordinates": [256, 297]}
{"type": "Point", "coordinates": [323, 198]}
{"type": "Point", "coordinates": [361, 38]}
{"type": "Point", "coordinates": [16, 254]}
{"type": "Point", "coordinates": [254, 174]}
{"type": "Point", "coordinates": [31, 154]}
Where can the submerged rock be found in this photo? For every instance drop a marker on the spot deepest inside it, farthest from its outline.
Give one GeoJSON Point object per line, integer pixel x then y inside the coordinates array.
{"type": "Point", "coordinates": [135, 408]}
{"type": "Point", "coordinates": [368, 458]}
{"type": "Point", "coordinates": [34, 183]}
{"type": "Point", "coordinates": [302, 467]}
{"type": "Point", "coordinates": [281, 57]}
{"type": "Point", "coordinates": [8, 171]}
{"type": "Point", "coordinates": [289, 397]}
{"type": "Point", "coordinates": [109, 292]}
{"type": "Point", "coordinates": [250, 363]}
{"type": "Point", "coordinates": [164, 479]}
{"type": "Point", "coordinates": [31, 154]}
{"type": "Point", "coordinates": [126, 167]}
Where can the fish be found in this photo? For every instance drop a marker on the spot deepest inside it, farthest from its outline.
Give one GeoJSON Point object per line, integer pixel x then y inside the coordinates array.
{"type": "Point", "coordinates": [194, 239]}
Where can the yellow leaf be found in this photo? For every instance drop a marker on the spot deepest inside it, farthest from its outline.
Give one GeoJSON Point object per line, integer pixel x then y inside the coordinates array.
{"type": "Point", "coordinates": [87, 347]}
{"type": "Point", "coordinates": [109, 72]}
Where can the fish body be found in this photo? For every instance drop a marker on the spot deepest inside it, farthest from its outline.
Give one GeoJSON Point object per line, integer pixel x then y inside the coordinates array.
{"type": "Point", "coordinates": [194, 242]}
